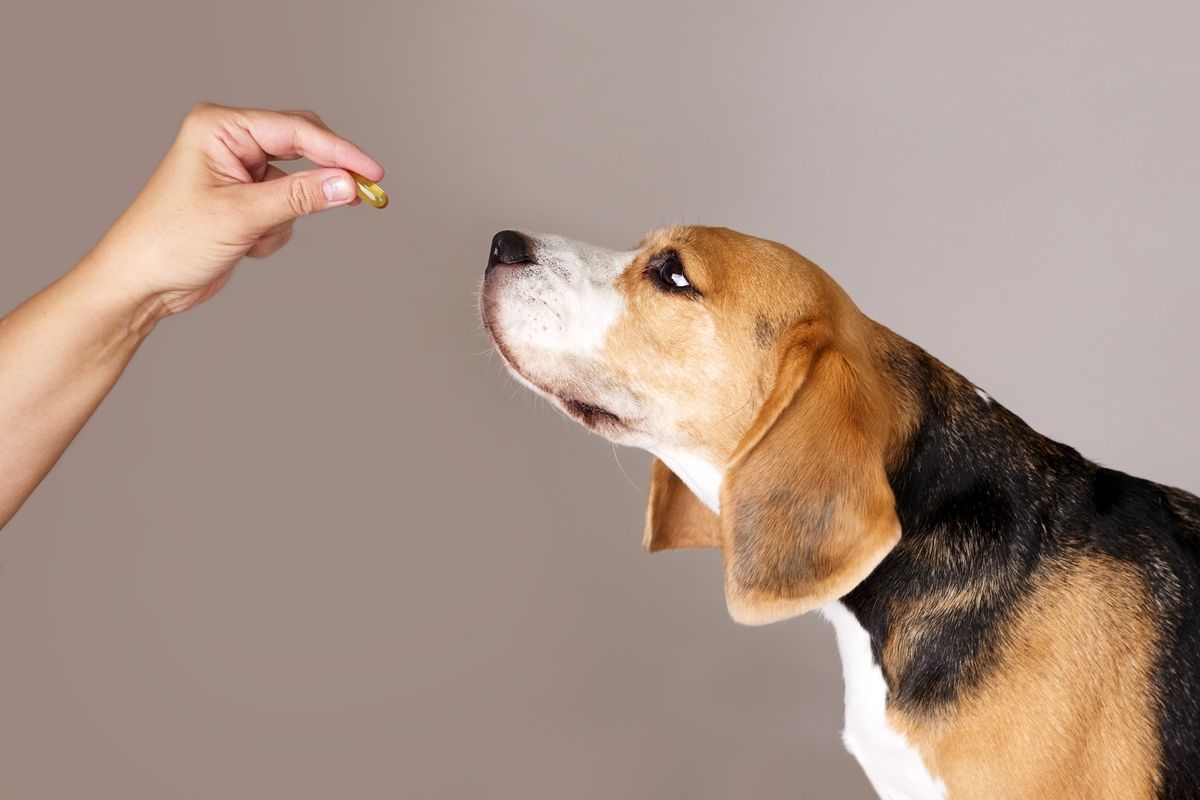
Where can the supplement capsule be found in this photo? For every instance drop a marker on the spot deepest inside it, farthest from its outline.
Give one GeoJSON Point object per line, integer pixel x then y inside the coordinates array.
{"type": "Point", "coordinates": [370, 192]}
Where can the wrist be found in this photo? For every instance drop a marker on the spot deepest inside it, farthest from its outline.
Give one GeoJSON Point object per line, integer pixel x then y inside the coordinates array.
{"type": "Point", "coordinates": [99, 286]}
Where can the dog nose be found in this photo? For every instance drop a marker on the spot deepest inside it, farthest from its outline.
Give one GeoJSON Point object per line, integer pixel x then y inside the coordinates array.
{"type": "Point", "coordinates": [509, 247]}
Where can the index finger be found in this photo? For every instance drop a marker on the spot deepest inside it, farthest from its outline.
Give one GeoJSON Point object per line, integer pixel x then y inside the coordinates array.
{"type": "Point", "coordinates": [289, 136]}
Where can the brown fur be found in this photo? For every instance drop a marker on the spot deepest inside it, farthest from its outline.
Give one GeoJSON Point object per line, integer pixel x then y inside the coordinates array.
{"type": "Point", "coordinates": [800, 528]}
{"type": "Point", "coordinates": [1067, 712]}
{"type": "Point", "coordinates": [746, 419]}
{"type": "Point", "coordinates": [771, 374]}
{"type": "Point", "coordinates": [806, 514]}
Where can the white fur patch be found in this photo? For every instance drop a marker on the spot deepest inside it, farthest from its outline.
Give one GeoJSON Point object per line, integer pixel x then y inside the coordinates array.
{"type": "Point", "coordinates": [591, 311]}
{"type": "Point", "coordinates": [566, 303]}
{"type": "Point", "coordinates": [700, 476]}
{"type": "Point", "coordinates": [984, 396]}
{"type": "Point", "coordinates": [893, 766]}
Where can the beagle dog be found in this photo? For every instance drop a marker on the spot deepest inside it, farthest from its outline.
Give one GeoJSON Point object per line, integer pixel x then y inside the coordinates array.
{"type": "Point", "coordinates": [1014, 621]}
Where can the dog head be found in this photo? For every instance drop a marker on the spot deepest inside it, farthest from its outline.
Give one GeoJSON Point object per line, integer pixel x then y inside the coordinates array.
{"type": "Point", "coordinates": [744, 368]}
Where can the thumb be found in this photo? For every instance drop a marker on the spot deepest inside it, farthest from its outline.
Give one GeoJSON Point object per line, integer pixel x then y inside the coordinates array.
{"type": "Point", "coordinates": [283, 199]}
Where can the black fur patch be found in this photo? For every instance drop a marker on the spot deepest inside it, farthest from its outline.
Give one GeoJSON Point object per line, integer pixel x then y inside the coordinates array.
{"type": "Point", "coordinates": [989, 506]}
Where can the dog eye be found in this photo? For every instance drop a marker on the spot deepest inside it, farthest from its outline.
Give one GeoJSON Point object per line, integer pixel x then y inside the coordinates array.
{"type": "Point", "coordinates": [667, 270]}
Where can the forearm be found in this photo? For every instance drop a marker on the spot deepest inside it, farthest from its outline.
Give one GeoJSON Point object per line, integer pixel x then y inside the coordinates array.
{"type": "Point", "coordinates": [214, 199]}
{"type": "Point", "coordinates": [60, 354]}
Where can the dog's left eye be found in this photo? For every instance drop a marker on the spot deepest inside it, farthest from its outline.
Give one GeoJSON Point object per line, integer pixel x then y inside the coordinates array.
{"type": "Point", "coordinates": [667, 270]}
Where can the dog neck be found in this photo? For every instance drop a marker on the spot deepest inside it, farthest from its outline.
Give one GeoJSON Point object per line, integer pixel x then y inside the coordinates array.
{"type": "Point", "coordinates": [974, 487]}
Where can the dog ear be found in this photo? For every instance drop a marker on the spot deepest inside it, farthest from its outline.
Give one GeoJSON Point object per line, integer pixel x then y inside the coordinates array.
{"type": "Point", "coordinates": [675, 518]}
{"type": "Point", "coordinates": [806, 508]}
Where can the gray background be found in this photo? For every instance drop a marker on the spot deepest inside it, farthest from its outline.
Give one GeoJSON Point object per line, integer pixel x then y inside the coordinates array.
{"type": "Point", "coordinates": [317, 544]}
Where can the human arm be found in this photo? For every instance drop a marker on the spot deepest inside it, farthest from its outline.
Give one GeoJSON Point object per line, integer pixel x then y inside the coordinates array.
{"type": "Point", "coordinates": [213, 199]}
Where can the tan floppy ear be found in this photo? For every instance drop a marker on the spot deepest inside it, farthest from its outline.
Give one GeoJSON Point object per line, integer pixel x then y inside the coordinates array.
{"type": "Point", "coordinates": [806, 508]}
{"type": "Point", "coordinates": [675, 518]}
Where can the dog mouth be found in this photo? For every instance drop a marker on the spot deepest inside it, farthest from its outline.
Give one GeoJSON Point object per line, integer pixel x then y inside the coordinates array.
{"type": "Point", "coordinates": [590, 414]}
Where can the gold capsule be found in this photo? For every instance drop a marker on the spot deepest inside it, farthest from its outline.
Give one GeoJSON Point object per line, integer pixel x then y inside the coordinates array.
{"type": "Point", "coordinates": [369, 191]}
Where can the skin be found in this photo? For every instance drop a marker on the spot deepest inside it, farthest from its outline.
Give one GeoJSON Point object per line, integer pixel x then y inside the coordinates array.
{"type": "Point", "coordinates": [213, 199]}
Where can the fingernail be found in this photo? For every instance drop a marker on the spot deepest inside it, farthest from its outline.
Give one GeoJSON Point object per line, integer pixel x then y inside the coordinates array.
{"type": "Point", "coordinates": [337, 189]}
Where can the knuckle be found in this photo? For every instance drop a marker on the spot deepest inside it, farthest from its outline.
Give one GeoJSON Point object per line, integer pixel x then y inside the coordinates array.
{"type": "Point", "coordinates": [302, 198]}
{"type": "Point", "coordinates": [199, 113]}
{"type": "Point", "coordinates": [301, 115]}
{"type": "Point", "coordinates": [203, 117]}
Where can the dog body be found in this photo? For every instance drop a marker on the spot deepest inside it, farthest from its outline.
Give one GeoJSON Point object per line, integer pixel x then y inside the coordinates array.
{"type": "Point", "coordinates": [1014, 621]}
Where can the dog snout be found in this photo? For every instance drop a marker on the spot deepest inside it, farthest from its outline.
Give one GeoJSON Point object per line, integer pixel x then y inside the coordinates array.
{"type": "Point", "coordinates": [509, 248]}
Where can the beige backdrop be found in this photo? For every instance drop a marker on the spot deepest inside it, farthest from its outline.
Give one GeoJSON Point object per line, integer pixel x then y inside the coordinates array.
{"type": "Point", "coordinates": [316, 544]}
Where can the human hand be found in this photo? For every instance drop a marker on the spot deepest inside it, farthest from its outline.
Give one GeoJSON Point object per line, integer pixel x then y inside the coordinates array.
{"type": "Point", "coordinates": [216, 198]}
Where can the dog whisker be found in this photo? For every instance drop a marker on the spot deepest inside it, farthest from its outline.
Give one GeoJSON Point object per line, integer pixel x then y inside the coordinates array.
{"type": "Point", "coordinates": [620, 466]}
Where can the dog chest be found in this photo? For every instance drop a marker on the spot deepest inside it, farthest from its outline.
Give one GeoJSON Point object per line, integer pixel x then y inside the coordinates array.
{"type": "Point", "coordinates": [893, 766]}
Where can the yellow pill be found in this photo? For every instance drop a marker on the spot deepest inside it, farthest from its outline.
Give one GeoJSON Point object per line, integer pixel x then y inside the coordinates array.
{"type": "Point", "coordinates": [369, 191]}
